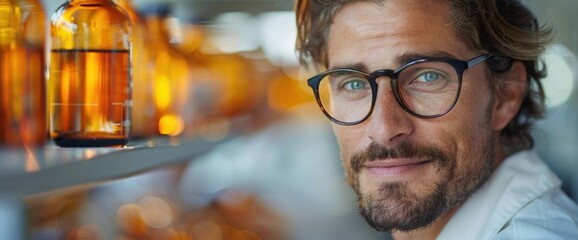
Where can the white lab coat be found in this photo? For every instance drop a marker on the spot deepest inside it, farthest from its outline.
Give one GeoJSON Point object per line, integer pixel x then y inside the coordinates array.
{"type": "Point", "coordinates": [522, 200]}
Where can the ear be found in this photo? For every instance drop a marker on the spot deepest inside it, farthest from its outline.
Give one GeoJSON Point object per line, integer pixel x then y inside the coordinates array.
{"type": "Point", "coordinates": [509, 95]}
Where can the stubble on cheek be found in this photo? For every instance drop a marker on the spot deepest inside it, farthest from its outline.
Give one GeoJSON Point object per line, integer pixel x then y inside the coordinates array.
{"type": "Point", "coordinates": [344, 139]}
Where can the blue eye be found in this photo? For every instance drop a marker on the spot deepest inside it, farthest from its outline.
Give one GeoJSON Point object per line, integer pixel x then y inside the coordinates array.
{"type": "Point", "coordinates": [429, 77]}
{"type": "Point", "coordinates": [355, 85]}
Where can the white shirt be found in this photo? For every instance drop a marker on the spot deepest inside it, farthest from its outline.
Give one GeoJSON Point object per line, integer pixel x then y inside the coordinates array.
{"type": "Point", "coordinates": [522, 200]}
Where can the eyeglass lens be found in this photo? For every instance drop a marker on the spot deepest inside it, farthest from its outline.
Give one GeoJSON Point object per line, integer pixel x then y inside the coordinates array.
{"type": "Point", "coordinates": [427, 89]}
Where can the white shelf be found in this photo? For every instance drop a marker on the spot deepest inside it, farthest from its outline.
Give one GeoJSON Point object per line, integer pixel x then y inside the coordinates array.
{"type": "Point", "coordinates": [29, 172]}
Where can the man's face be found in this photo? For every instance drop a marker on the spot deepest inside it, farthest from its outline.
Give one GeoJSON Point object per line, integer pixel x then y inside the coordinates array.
{"type": "Point", "coordinates": [409, 171]}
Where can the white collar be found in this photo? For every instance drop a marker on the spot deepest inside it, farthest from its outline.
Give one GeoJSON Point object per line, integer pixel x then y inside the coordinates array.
{"type": "Point", "coordinates": [518, 180]}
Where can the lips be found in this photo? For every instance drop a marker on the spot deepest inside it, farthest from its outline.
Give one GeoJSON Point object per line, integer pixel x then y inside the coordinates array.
{"type": "Point", "coordinates": [394, 166]}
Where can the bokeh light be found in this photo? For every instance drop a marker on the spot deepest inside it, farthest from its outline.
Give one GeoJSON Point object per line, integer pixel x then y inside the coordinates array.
{"type": "Point", "coordinates": [559, 84]}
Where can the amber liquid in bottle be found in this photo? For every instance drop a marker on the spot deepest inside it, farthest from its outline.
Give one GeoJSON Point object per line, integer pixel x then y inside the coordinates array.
{"type": "Point", "coordinates": [143, 107]}
{"type": "Point", "coordinates": [90, 88]}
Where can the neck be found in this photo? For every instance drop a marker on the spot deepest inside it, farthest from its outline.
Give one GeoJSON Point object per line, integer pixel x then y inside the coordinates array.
{"type": "Point", "coordinates": [500, 152]}
{"type": "Point", "coordinates": [429, 232]}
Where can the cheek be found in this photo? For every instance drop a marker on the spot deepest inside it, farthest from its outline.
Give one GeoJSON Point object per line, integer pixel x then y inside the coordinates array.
{"type": "Point", "coordinates": [475, 102]}
{"type": "Point", "coordinates": [342, 136]}
{"type": "Point", "coordinates": [343, 140]}
{"type": "Point", "coordinates": [473, 131]}
{"type": "Point", "coordinates": [351, 138]}
{"type": "Point", "coordinates": [473, 110]}
{"type": "Point", "coordinates": [348, 138]}
{"type": "Point", "coordinates": [468, 126]}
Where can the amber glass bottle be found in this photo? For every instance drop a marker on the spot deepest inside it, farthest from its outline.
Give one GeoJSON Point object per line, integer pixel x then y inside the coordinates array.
{"type": "Point", "coordinates": [22, 89]}
{"type": "Point", "coordinates": [171, 73]}
{"type": "Point", "coordinates": [205, 92]}
{"type": "Point", "coordinates": [143, 107]}
{"type": "Point", "coordinates": [235, 77]}
{"type": "Point", "coordinates": [89, 85]}
{"type": "Point", "coordinates": [9, 55]}
{"type": "Point", "coordinates": [239, 85]}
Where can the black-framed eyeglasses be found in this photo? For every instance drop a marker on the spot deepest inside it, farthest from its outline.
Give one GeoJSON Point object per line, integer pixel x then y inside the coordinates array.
{"type": "Point", "coordinates": [425, 88]}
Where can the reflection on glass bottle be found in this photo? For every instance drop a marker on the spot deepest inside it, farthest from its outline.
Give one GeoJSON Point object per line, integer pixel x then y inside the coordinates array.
{"type": "Point", "coordinates": [89, 86]}
{"type": "Point", "coordinates": [171, 86]}
{"type": "Point", "coordinates": [22, 89]}
{"type": "Point", "coordinates": [143, 107]}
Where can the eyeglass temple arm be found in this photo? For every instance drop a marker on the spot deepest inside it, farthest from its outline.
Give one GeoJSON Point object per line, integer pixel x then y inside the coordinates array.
{"type": "Point", "coordinates": [479, 59]}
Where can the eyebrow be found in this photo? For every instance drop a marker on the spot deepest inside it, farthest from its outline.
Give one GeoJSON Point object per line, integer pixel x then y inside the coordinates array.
{"type": "Point", "coordinates": [399, 61]}
{"type": "Point", "coordinates": [359, 66]}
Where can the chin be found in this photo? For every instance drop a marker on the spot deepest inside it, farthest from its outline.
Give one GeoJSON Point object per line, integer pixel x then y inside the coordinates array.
{"type": "Point", "coordinates": [396, 207]}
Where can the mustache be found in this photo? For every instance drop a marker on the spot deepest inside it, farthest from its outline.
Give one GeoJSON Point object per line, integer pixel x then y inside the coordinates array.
{"type": "Point", "coordinates": [406, 149]}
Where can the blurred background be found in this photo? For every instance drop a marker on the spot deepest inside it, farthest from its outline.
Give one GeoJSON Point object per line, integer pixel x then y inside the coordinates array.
{"type": "Point", "coordinates": [234, 72]}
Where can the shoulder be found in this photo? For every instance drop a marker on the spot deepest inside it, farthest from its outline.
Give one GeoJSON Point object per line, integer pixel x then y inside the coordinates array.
{"type": "Point", "coordinates": [522, 200]}
{"type": "Point", "coordinates": [553, 215]}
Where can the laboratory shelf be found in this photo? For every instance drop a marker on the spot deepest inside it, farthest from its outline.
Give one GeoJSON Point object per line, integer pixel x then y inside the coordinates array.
{"type": "Point", "coordinates": [28, 172]}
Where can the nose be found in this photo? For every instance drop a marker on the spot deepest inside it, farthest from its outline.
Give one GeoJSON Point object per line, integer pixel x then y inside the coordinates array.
{"type": "Point", "coordinates": [388, 122]}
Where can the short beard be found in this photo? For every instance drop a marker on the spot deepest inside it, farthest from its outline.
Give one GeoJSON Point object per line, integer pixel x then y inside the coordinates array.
{"type": "Point", "coordinates": [395, 207]}
{"type": "Point", "coordinates": [409, 213]}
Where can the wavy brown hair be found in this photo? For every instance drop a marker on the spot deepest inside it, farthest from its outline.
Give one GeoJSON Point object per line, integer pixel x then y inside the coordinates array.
{"type": "Point", "coordinates": [505, 28]}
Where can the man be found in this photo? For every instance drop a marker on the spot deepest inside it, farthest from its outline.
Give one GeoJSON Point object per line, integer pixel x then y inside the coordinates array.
{"type": "Point", "coordinates": [432, 103]}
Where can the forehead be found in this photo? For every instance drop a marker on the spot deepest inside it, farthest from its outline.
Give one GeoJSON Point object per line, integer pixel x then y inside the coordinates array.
{"type": "Point", "coordinates": [362, 31]}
